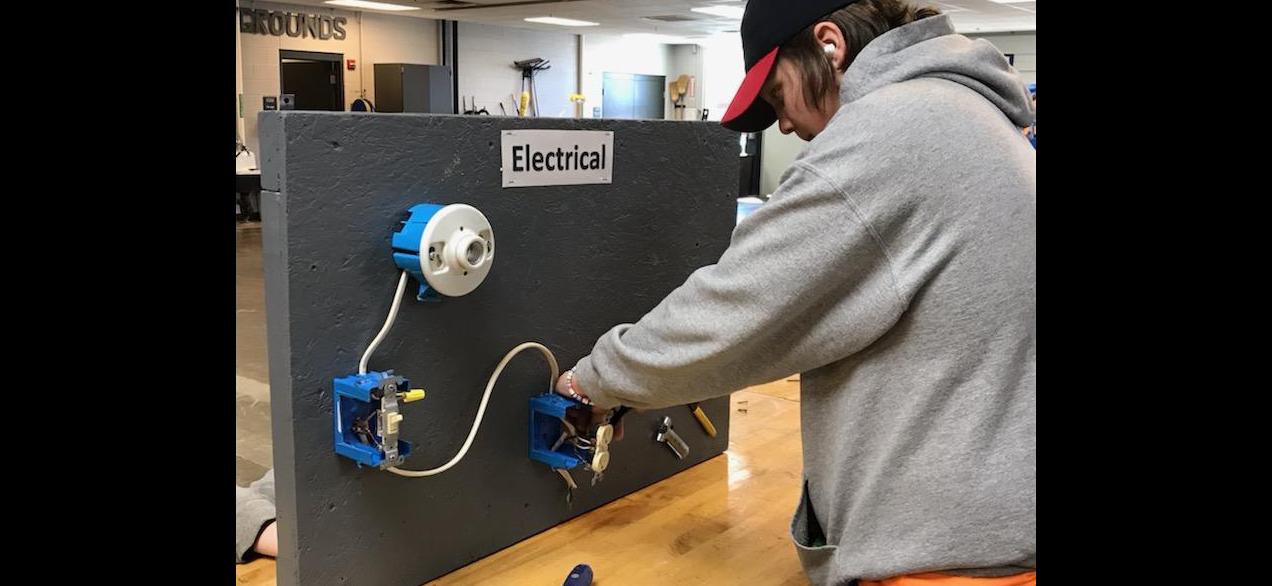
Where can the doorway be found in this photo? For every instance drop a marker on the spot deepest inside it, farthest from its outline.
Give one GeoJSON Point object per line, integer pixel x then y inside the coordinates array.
{"type": "Point", "coordinates": [316, 80]}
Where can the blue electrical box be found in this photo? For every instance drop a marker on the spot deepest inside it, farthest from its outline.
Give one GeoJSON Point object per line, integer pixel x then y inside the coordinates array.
{"type": "Point", "coordinates": [406, 246]}
{"type": "Point", "coordinates": [362, 403]}
{"type": "Point", "coordinates": [547, 412]}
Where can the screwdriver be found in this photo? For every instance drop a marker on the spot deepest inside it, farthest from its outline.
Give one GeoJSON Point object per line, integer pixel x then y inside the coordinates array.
{"type": "Point", "coordinates": [581, 575]}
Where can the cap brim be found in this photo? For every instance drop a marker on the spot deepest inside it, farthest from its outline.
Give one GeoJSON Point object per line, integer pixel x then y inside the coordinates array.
{"type": "Point", "coordinates": [748, 112]}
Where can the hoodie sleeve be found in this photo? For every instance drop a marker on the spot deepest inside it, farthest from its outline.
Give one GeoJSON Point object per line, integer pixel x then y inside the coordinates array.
{"type": "Point", "coordinates": [805, 282]}
{"type": "Point", "coordinates": [253, 509]}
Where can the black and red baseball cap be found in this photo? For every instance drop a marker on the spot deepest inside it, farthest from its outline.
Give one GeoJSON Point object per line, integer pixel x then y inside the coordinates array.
{"type": "Point", "coordinates": [766, 25]}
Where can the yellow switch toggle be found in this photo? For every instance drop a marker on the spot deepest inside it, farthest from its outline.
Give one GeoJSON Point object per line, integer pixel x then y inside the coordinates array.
{"type": "Point", "coordinates": [412, 395]}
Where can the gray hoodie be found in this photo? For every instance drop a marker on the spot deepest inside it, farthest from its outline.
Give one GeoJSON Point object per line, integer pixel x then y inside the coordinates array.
{"type": "Point", "coordinates": [895, 268]}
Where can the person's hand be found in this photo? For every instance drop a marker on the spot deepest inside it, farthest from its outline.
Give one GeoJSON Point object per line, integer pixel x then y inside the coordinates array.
{"type": "Point", "coordinates": [267, 543]}
{"type": "Point", "coordinates": [563, 389]}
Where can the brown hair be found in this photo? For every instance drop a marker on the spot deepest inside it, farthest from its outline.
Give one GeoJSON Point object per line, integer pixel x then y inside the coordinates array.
{"type": "Point", "coordinates": [860, 23]}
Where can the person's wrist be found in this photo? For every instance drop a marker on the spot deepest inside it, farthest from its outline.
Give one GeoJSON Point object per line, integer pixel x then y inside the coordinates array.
{"type": "Point", "coordinates": [572, 389]}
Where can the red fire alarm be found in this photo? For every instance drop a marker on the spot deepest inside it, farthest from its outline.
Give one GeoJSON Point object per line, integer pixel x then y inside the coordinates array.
{"type": "Point", "coordinates": [351, 64]}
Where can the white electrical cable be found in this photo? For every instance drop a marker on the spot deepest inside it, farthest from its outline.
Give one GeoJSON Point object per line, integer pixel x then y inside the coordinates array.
{"type": "Point", "coordinates": [481, 411]}
{"type": "Point", "coordinates": [388, 323]}
{"type": "Point", "coordinates": [490, 385]}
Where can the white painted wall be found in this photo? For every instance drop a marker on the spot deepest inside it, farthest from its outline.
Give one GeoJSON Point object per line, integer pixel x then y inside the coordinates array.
{"type": "Point", "coordinates": [723, 69]}
{"type": "Point", "coordinates": [486, 54]}
{"type": "Point", "coordinates": [620, 54]}
{"type": "Point", "coordinates": [370, 38]}
{"type": "Point", "coordinates": [687, 60]}
{"type": "Point", "coordinates": [239, 107]}
{"type": "Point", "coordinates": [778, 151]}
{"type": "Point", "coordinates": [486, 73]}
{"type": "Point", "coordinates": [392, 39]}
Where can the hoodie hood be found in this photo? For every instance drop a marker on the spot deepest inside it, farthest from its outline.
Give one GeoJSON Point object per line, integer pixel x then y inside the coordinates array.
{"type": "Point", "coordinates": [929, 47]}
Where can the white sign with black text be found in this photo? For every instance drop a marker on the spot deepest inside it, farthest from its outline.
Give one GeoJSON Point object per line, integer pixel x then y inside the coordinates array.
{"type": "Point", "coordinates": [557, 157]}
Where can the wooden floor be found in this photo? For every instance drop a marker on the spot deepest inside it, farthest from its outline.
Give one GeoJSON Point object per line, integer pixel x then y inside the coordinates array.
{"type": "Point", "coordinates": [725, 521]}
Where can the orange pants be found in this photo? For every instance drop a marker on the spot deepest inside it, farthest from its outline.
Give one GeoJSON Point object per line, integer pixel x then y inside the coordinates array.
{"type": "Point", "coordinates": [1025, 579]}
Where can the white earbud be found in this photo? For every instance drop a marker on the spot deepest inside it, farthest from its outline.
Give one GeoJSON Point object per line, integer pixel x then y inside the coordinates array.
{"type": "Point", "coordinates": [829, 49]}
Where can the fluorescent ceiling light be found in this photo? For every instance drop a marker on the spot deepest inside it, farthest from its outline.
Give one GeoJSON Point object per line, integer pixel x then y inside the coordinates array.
{"type": "Point", "coordinates": [725, 11]}
{"type": "Point", "coordinates": [654, 38]}
{"type": "Point", "coordinates": [370, 5]}
{"type": "Point", "coordinates": [560, 21]}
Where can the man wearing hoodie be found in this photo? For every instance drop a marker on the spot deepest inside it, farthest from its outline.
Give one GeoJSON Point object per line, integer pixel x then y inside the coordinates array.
{"type": "Point", "coordinates": [895, 268]}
